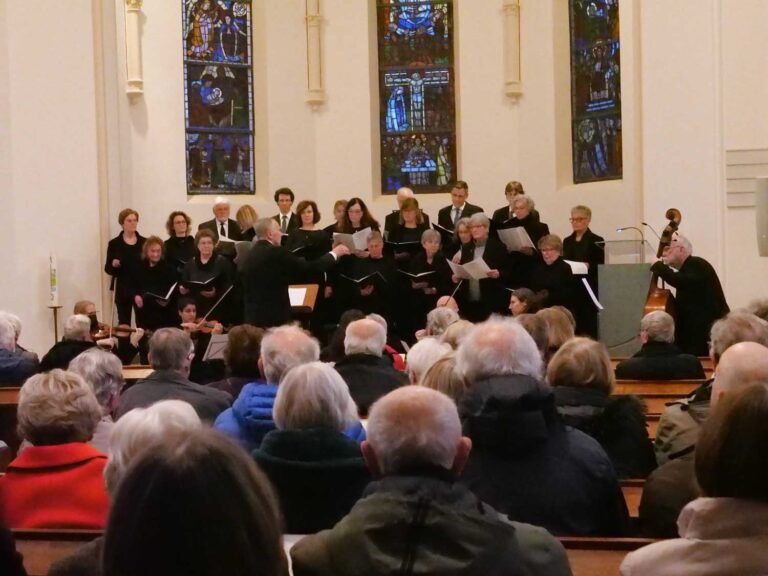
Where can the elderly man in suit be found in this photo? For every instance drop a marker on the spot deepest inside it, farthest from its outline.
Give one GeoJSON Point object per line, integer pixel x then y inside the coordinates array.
{"type": "Point", "coordinates": [222, 224]}
{"type": "Point", "coordinates": [269, 269]}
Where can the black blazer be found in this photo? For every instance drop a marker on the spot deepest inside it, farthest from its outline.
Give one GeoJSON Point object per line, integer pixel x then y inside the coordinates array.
{"type": "Point", "coordinates": [445, 219]}
{"type": "Point", "coordinates": [501, 218]}
{"type": "Point", "coordinates": [392, 220]}
{"type": "Point", "coordinates": [293, 222]}
{"type": "Point", "coordinates": [267, 273]}
{"type": "Point", "coordinates": [232, 227]}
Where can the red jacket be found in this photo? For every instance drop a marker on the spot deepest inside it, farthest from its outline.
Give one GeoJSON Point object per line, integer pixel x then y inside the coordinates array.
{"type": "Point", "coordinates": [55, 487]}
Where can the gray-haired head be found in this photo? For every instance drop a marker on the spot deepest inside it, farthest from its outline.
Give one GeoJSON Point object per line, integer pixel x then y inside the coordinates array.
{"type": "Point", "coordinates": [498, 347]}
{"type": "Point", "coordinates": [7, 335]}
{"type": "Point", "coordinates": [313, 395]}
{"type": "Point", "coordinates": [380, 319]}
{"type": "Point", "coordinates": [77, 327]}
{"type": "Point", "coordinates": [479, 219]}
{"type": "Point", "coordinates": [439, 319]}
{"type": "Point", "coordinates": [422, 355]}
{"type": "Point", "coordinates": [285, 347]}
{"type": "Point", "coordinates": [14, 320]}
{"type": "Point", "coordinates": [658, 326]}
{"type": "Point", "coordinates": [103, 372]}
{"type": "Point", "coordinates": [262, 227]}
{"type": "Point", "coordinates": [430, 234]}
{"type": "Point", "coordinates": [171, 349]}
{"type": "Point", "coordinates": [364, 337]}
{"type": "Point", "coordinates": [736, 327]}
{"type": "Point", "coordinates": [524, 200]}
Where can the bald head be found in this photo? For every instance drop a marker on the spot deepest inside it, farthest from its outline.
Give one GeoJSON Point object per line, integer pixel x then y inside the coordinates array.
{"type": "Point", "coordinates": [403, 194]}
{"type": "Point", "coordinates": [365, 336]}
{"type": "Point", "coordinates": [741, 365]}
{"type": "Point", "coordinates": [447, 302]}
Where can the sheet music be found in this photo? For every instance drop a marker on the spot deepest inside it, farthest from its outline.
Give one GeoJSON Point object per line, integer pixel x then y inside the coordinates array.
{"type": "Point", "coordinates": [578, 268]}
{"type": "Point", "coordinates": [592, 294]}
{"type": "Point", "coordinates": [477, 269]}
{"type": "Point", "coordinates": [458, 270]}
{"type": "Point", "coordinates": [297, 296]}
{"type": "Point", "coordinates": [515, 239]}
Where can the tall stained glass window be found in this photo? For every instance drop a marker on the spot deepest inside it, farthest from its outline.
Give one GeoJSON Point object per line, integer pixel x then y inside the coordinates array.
{"type": "Point", "coordinates": [595, 90]}
{"type": "Point", "coordinates": [416, 94]}
{"type": "Point", "coordinates": [218, 96]}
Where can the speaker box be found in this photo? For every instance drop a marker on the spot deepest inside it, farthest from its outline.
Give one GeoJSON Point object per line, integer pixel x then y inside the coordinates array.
{"type": "Point", "coordinates": [761, 215]}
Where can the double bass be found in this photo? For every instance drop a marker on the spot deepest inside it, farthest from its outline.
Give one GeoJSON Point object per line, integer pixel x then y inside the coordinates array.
{"type": "Point", "coordinates": [660, 297]}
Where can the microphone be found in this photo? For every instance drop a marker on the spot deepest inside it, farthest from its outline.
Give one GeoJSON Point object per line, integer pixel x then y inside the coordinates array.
{"type": "Point", "coordinates": [622, 228]}
{"type": "Point", "coordinates": [652, 230]}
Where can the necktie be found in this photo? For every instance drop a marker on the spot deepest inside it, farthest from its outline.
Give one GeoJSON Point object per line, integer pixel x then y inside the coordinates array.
{"type": "Point", "coordinates": [222, 232]}
{"type": "Point", "coordinates": [284, 227]}
{"type": "Point", "coordinates": [456, 215]}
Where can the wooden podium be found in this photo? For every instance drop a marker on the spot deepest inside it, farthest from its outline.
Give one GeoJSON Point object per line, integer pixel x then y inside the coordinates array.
{"type": "Point", "coordinates": [303, 311]}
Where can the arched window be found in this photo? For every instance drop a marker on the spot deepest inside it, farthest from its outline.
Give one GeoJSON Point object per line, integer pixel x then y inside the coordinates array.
{"type": "Point", "coordinates": [595, 90]}
{"type": "Point", "coordinates": [417, 105]}
{"type": "Point", "coordinates": [218, 96]}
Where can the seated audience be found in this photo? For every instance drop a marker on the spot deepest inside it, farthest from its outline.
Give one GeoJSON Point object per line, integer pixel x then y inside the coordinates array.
{"type": "Point", "coordinates": [443, 377]}
{"type": "Point", "coordinates": [250, 417]}
{"type": "Point", "coordinates": [423, 355]}
{"type": "Point", "coordinates": [456, 332]}
{"type": "Point", "coordinates": [103, 372]}
{"type": "Point", "coordinates": [672, 485]}
{"type": "Point", "coordinates": [416, 518]}
{"type": "Point", "coordinates": [524, 301]}
{"type": "Point", "coordinates": [389, 349]}
{"type": "Point", "coordinates": [538, 328]}
{"type": "Point", "coordinates": [560, 329]}
{"type": "Point", "coordinates": [77, 339]}
{"type": "Point", "coordinates": [15, 365]}
{"type": "Point", "coordinates": [659, 358]}
{"type": "Point", "coordinates": [334, 351]}
{"type": "Point", "coordinates": [16, 323]}
{"type": "Point", "coordinates": [11, 562]}
{"type": "Point", "coordinates": [580, 374]}
{"type": "Point", "coordinates": [136, 431]}
{"type": "Point", "coordinates": [194, 505]}
{"type": "Point", "coordinates": [56, 482]}
{"type": "Point", "coordinates": [241, 358]}
{"type": "Point", "coordinates": [438, 321]}
{"type": "Point", "coordinates": [679, 424]}
{"type": "Point", "coordinates": [525, 462]}
{"type": "Point", "coordinates": [170, 354]}
{"type": "Point", "coordinates": [725, 532]}
{"type": "Point", "coordinates": [367, 374]}
{"type": "Point", "coordinates": [317, 471]}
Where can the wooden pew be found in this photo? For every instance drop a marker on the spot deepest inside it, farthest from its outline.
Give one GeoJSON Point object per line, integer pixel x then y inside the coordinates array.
{"type": "Point", "coordinates": [134, 372]}
{"type": "Point", "coordinates": [9, 400]}
{"type": "Point", "coordinates": [41, 548]}
{"type": "Point", "coordinates": [679, 388]}
{"type": "Point", "coordinates": [599, 556]}
{"type": "Point", "coordinates": [632, 489]}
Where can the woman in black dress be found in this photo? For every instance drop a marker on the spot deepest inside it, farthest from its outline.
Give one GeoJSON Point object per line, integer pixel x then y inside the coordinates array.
{"type": "Point", "coordinates": [405, 238]}
{"type": "Point", "coordinates": [180, 246]}
{"type": "Point", "coordinates": [523, 263]}
{"type": "Point", "coordinates": [207, 276]}
{"type": "Point", "coordinates": [123, 263]}
{"type": "Point", "coordinates": [357, 217]}
{"type": "Point", "coordinates": [427, 289]}
{"type": "Point", "coordinates": [552, 276]}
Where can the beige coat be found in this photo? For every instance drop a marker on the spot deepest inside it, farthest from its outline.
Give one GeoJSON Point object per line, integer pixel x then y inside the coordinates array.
{"type": "Point", "coordinates": [719, 536]}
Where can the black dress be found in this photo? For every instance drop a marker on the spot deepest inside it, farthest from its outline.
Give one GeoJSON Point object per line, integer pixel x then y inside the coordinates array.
{"type": "Point", "coordinates": [418, 302]}
{"type": "Point", "coordinates": [493, 297]}
{"type": "Point", "coordinates": [157, 280]}
{"type": "Point", "coordinates": [558, 281]}
{"type": "Point", "coordinates": [590, 250]}
{"type": "Point", "coordinates": [312, 245]}
{"type": "Point", "coordinates": [124, 277]}
{"type": "Point", "coordinates": [387, 284]}
{"type": "Point", "coordinates": [404, 243]}
{"type": "Point", "coordinates": [524, 264]}
{"type": "Point", "coordinates": [179, 250]}
{"type": "Point", "coordinates": [217, 268]}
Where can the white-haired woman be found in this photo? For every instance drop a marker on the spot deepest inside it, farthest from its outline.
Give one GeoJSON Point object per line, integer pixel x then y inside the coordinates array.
{"type": "Point", "coordinates": [77, 338]}
{"type": "Point", "coordinates": [317, 471]}
{"type": "Point", "coordinates": [56, 482]}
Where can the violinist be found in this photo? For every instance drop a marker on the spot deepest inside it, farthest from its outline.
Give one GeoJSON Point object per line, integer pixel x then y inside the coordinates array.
{"type": "Point", "coordinates": [180, 246]}
{"type": "Point", "coordinates": [207, 275]}
{"type": "Point", "coordinates": [123, 263]}
{"type": "Point", "coordinates": [155, 278]}
{"type": "Point", "coordinates": [200, 331]}
{"type": "Point", "coordinates": [121, 340]}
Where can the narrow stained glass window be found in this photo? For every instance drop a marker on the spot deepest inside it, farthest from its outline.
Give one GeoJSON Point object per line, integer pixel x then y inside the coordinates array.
{"type": "Point", "coordinates": [218, 96]}
{"type": "Point", "coordinates": [417, 108]}
{"type": "Point", "coordinates": [595, 90]}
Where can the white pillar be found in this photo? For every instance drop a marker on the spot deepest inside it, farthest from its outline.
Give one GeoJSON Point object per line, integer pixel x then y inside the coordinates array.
{"type": "Point", "coordinates": [315, 89]}
{"type": "Point", "coordinates": [513, 86]}
{"type": "Point", "coordinates": [134, 72]}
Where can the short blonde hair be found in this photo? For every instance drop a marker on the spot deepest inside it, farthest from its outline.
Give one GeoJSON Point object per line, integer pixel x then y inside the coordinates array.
{"type": "Point", "coordinates": [423, 354]}
{"type": "Point", "coordinates": [246, 217]}
{"type": "Point", "coordinates": [551, 241]}
{"type": "Point", "coordinates": [456, 332]}
{"type": "Point", "coordinates": [581, 362]}
{"type": "Point", "coordinates": [313, 395]}
{"type": "Point", "coordinates": [443, 377]}
{"type": "Point", "coordinates": [57, 407]}
{"type": "Point", "coordinates": [559, 328]}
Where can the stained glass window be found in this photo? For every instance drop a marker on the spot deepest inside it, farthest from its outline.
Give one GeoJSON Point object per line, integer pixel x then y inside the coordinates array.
{"type": "Point", "coordinates": [218, 96]}
{"type": "Point", "coordinates": [416, 94]}
{"type": "Point", "coordinates": [595, 90]}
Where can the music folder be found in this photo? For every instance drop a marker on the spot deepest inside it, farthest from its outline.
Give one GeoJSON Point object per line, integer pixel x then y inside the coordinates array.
{"type": "Point", "coordinates": [216, 346]}
{"type": "Point", "coordinates": [164, 298]}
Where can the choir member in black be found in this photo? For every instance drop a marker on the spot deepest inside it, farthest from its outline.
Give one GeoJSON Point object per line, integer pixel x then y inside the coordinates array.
{"type": "Point", "coordinates": [502, 218]}
{"type": "Point", "coordinates": [404, 239]}
{"type": "Point", "coordinates": [478, 299]}
{"type": "Point", "coordinates": [462, 236]}
{"type": "Point", "coordinates": [156, 277]}
{"type": "Point", "coordinates": [339, 209]}
{"type": "Point", "coordinates": [583, 245]}
{"type": "Point", "coordinates": [552, 276]}
{"type": "Point", "coordinates": [357, 217]}
{"type": "Point", "coordinates": [523, 263]}
{"type": "Point", "coordinates": [200, 332]}
{"type": "Point", "coordinates": [180, 246]}
{"type": "Point", "coordinates": [123, 263]}
{"type": "Point", "coordinates": [524, 301]}
{"type": "Point", "coordinates": [205, 266]}
{"type": "Point", "coordinates": [246, 217]}
{"type": "Point", "coordinates": [426, 290]}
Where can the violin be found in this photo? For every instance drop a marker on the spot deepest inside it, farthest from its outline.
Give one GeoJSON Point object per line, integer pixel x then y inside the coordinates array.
{"type": "Point", "coordinates": [206, 326]}
{"type": "Point", "coordinates": [660, 297]}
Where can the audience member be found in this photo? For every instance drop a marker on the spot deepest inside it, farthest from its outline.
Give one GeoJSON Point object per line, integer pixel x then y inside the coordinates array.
{"type": "Point", "coordinates": [439, 319]}
{"type": "Point", "coordinates": [580, 374]}
{"type": "Point", "coordinates": [15, 365]}
{"type": "Point", "coordinates": [560, 329]}
{"type": "Point", "coordinates": [525, 461]}
{"type": "Point", "coordinates": [317, 471]}
{"type": "Point", "coordinates": [77, 339]}
{"type": "Point", "coordinates": [56, 482]}
{"type": "Point", "coordinates": [170, 354]}
{"type": "Point", "coordinates": [423, 355]}
{"type": "Point", "coordinates": [334, 351]}
{"type": "Point", "coordinates": [11, 562]}
{"type": "Point", "coordinates": [725, 532]}
{"type": "Point", "coordinates": [389, 351]}
{"type": "Point", "coordinates": [194, 505]}
{"type": "Point", "coordinates": [456, 332]}
{"type": "Point", "coordinates": [443, 377]}
{"type": "Point", "coordinates": [241, 357]}
{"type": "Point", "coordinates": [759, 308]}
{"type": "Point", "coordinates": [538, 328]}
{"type": "Point", "coordinates": [103, 372]}
{"type": "Point", "coordinates": [137, 430]}
{"type": "Point", "coordinates": [673, 485]}
{"type": "Point", "coordinates": [659, 358]}
{"type": "Point", "coordinates": [16, 323]}
{"type": "Point", "coordinates": [524, 301]}
{"type": "Point", "coordinates": [367, 374]}
{"type": "Point", "coordinates": [416, 515]}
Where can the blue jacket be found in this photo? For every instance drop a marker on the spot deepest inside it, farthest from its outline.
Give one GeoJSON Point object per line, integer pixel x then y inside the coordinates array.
{"type": "Point", "coordinates": [250, 417]}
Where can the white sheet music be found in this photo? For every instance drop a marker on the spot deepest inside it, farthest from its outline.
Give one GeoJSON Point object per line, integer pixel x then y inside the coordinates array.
{"type": "Point", "coordinates": [476, 269]}
{"type": "Point", "coordinates": [592, 294]}
{"type": "Point", "coordinates": [356, 241]}
{"type": "Point", "coordinates": [297, 295]}
{"type": "Point", "coordinates": [515, 239]}
{"type": "Point", "coordinates": [578, 268]}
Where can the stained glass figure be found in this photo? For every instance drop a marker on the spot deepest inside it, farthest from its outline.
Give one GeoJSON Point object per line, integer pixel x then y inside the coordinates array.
{"type": "Point", "coordinates": [416, 92]}
{"type": "Point", "coordinates": [596, 90]}
{"type": "Point", "coordinates": [218, 86]}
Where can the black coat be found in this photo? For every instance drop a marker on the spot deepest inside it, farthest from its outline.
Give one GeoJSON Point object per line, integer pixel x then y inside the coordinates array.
{"type": "Point", "coordinates": [157, 280]}
{"type": "Point", "coordinates": [527, 464]}
{"type": "Point", "coordinates": [267, 273]}
{"type": "Point", "coordinates": [293, 222]}
{"type": "Point", "coordinates": [502, 218]}
{"type": "Point", "coordinates": [666, 492]}
{"type": "Point", "coordinates": [590, 250]}
{"type": "Point", "coordinates": [617, 422]}
{"type": "Point", "coordinates": [699, 302]}
{"type": "Point", "coordinates": [218, 268]}
{"type": "Point", "coordinates": [392, 220]}
{"type": "Point", "coordinates": [232, 228]}
{"type": "Point", "coordinates": [558, 280]}
{"type": "Point", "coordinates": [493, 297]}
{"type": "Point", "coordinates": [369, 378]}
{"type": "Point", "coordinates": [130, 263]}
{"type": "Point", "coordinates": [445, 215]}
{"type": "Point", "coordinates": [318, 474]}
{"type": "Point", "coordinates": [179, 251]}
{"type": "Point", "coordinates": [660, 361]}
{"type": "Point", "coordinates": [62, 353]}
